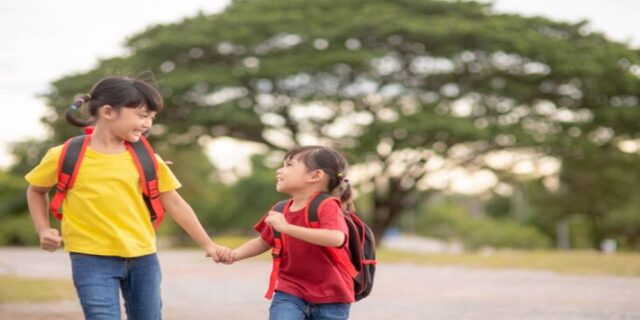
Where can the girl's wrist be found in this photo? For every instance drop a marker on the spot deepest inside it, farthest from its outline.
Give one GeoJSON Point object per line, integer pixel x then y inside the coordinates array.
{"type": "Point", "coordinates": [43, 229]}
{"type": "Point", "coordinates": [210, 247]}
{"type": "Point", "coordinates": [286, 228]}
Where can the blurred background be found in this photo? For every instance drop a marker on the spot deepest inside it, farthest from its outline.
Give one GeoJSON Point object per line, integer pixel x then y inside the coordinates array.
{"type": "Point", "coordinates": [468, 125]}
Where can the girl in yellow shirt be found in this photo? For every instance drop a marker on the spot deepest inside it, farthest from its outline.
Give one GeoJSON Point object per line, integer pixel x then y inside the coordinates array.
{"type": "Point", "coordinates": [106, 226]}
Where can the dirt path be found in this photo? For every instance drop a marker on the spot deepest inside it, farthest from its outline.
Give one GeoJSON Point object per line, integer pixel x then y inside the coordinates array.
{"type": "Point", "coordinates": [194, 288]}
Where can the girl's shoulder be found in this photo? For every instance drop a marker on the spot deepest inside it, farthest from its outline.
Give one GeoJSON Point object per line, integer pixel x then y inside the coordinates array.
{"type": "Point", "coordinates": [331, 205]}
{"type": "Point", "coordinates": [54, 152]}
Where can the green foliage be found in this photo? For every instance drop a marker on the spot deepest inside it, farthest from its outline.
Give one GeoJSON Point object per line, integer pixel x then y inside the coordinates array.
{"type": "Point", "coordinates": [451, 222]}
{"type": "Point", "coordinates": [18, 230]}
{"type": "Point", "coordinates": [624, 225]}
{"type": "Point", "coordinates": [598, 190]}
{"type": "Point", "coordinates": [498, 206]}
{"type": "Point", "coordinates": [253, 197]}
{"type": "Point", "coordinates": [234, 208]}
{"type": "Point", "coordinates": [13, 199]}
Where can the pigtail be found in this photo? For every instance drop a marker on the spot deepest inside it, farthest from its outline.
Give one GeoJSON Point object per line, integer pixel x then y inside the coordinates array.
{"type": "Point", "coordinates": [74, 114]}
{"type": "Point", "coordinates": [344, 192]}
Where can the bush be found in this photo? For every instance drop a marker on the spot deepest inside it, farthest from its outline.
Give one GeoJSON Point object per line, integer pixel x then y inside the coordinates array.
{"type": "Point", "coordinates": [450, 222]}
{"type": "Point", "coordinates": [18, 231]}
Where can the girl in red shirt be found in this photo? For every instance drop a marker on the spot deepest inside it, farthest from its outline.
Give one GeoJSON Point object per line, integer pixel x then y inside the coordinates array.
{"type": "Point", "coordinates": [310, 285]}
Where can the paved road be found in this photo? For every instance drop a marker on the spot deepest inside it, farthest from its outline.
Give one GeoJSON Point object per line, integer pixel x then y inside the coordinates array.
{"type": "Point", "coordinates": [194, 288]}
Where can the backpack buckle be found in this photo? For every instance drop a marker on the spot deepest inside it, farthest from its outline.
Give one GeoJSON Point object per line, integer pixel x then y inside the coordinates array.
{"type": "Point", "coordinates": [152, 186]}
{"type": "Point", "coordinates": [63, 183]}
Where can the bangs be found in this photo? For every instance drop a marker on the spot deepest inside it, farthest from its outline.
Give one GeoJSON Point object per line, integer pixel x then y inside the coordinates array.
{"type": "Point", "coordinates": [141, 94]}
{"type": "Point", "coordinates": [304, 154]}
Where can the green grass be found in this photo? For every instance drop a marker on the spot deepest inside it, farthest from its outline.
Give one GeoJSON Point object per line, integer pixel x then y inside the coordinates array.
{"type": "Point", "coordinates": [568, 262]}
{"type": "Point", "coordinates": [17, 289]}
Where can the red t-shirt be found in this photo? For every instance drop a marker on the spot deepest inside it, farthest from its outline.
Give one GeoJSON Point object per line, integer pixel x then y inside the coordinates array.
{"type": "Point", "coordinates": [306, 270]}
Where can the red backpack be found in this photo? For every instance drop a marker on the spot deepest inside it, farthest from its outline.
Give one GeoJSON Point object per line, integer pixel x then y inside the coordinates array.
{"type": "Point", "coordinates": [143, 156]}
{"type": "Point", "coordinates": [362, 263]}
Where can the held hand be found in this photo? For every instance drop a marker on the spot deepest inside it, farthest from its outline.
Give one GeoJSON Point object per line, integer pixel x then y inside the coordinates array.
{"type": "Point", "coordinates": [212, 252]}
{"type": "Point", "coordinates": [226, 255]}
{"type": "Point", "coordinates": [50, 239]}
{"type": "Point", "coordinates": [277, 221]}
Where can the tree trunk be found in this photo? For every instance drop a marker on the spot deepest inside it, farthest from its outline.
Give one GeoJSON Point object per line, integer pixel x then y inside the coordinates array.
{"type": "Point", "coordinates": [387, 207]}
{"type": "Point", "coordinates": [563, 235]}
{"type": "Point", "coordinates": [597, 233]}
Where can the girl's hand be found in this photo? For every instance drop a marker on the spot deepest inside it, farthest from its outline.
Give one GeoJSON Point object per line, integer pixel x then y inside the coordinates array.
{"type": "Point", "coordinates": [226, 255]}
{"type": "Point", "coordinates": [213, 251]}
{"type": "Point", "coordinates": [277, 221]}
{"type": "Point", "coordinates": [50, 239]}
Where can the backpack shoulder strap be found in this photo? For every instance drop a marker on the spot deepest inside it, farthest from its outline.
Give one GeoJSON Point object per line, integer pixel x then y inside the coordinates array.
{"type": "Point", "coordinates": [147, 165]}
{"type": "Point", "coordinates": [277, 251]}
{"type": "Point", "coordinates": [68, 166]}
{"type": "Point", "coordinates": [313, 221]}
{"type": "Point", "coordinates": [279, 207]}
{"type": "Point", "coordinates": [312, 209]}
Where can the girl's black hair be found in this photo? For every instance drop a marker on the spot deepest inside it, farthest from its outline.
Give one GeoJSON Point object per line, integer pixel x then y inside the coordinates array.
{"type": "Point", "coordinates": [334, 166]}
{"type": "Point", "coordinates": [117, 92]}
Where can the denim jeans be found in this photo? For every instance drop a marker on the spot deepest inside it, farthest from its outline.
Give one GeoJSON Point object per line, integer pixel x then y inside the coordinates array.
{"type": "Point", "coordinates": [289, 307]}
{"type": "Point", "coordinates": [99, 280]}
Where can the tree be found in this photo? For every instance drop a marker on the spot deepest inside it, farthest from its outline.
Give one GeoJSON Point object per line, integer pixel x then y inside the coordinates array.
{"type": "Point", "coordinates": [391, 83]}
{"type": "Point", "coordinates": [17, 228]}
{"type": "Point", "coordinates": [601, 187]}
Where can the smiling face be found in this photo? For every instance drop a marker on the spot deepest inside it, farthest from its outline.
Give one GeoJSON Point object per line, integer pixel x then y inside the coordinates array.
{"type": "Point", "coordinates": [294, 175]}
{"type": "Point", "coordinates": [131, 123]}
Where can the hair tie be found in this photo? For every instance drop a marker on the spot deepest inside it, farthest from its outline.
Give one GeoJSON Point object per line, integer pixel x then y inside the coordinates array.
{"type": "Point", "coordinates": [75, 106]}
{"type": "Point", "coordinates": [340, 175]}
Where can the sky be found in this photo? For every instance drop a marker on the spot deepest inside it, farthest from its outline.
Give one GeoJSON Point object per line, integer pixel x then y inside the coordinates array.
{"type": "Point", "coordinates": [41, 41]}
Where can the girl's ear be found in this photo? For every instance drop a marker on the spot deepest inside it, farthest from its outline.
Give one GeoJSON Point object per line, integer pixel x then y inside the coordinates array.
{"type": "Point", "coordinates": [317, 175]}
{"type": "Point", "coordinates": [107, 112]}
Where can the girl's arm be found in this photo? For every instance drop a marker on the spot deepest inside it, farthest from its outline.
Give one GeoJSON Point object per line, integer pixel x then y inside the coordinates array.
{"type": "Point", "coordinates": [320, 237]}
{"type": "Point", "coordinates": [183, 214]}
{"type": "Point", "coordinates": [38, 203]}
{"type": "Point", "coordinates": [250, 249]}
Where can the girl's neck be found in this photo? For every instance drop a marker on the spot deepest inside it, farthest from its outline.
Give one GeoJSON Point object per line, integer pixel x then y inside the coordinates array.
{"type": "Point", "coordinates": [301, 197]}
{"type": "Point", "coordinates": [105, 142]}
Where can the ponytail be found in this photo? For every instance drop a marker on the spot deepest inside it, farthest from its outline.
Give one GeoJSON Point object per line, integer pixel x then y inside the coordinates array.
{"type": "Point", "coordinates": [76, 108]}
{"type": "Point", "coordinates": [344, 193]}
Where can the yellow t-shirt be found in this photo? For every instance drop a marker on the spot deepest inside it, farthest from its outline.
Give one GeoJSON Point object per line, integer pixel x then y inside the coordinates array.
{"type": "Point", "coordinates": [104, 212]}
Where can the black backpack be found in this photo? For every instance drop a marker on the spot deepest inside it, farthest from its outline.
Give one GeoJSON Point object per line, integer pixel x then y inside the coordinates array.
{"type": "Point", "coordinates": [362, 265]}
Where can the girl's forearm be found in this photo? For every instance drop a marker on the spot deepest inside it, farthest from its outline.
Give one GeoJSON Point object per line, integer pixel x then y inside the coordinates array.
{"type": "Point", "coordinates": [250, 249]}
{"type": "Point", "coordinates": [38, 204]}
{"type": "Point", "coordinates": [320, 237]}
{"type": "Point", "coordinates": [186, 218]}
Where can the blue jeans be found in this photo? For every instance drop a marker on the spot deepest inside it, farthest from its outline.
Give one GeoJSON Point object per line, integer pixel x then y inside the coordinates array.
{"type": "Point", "coordinates": [289, 307]}
{"type": "Point", "coordinates": [99, 279]}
